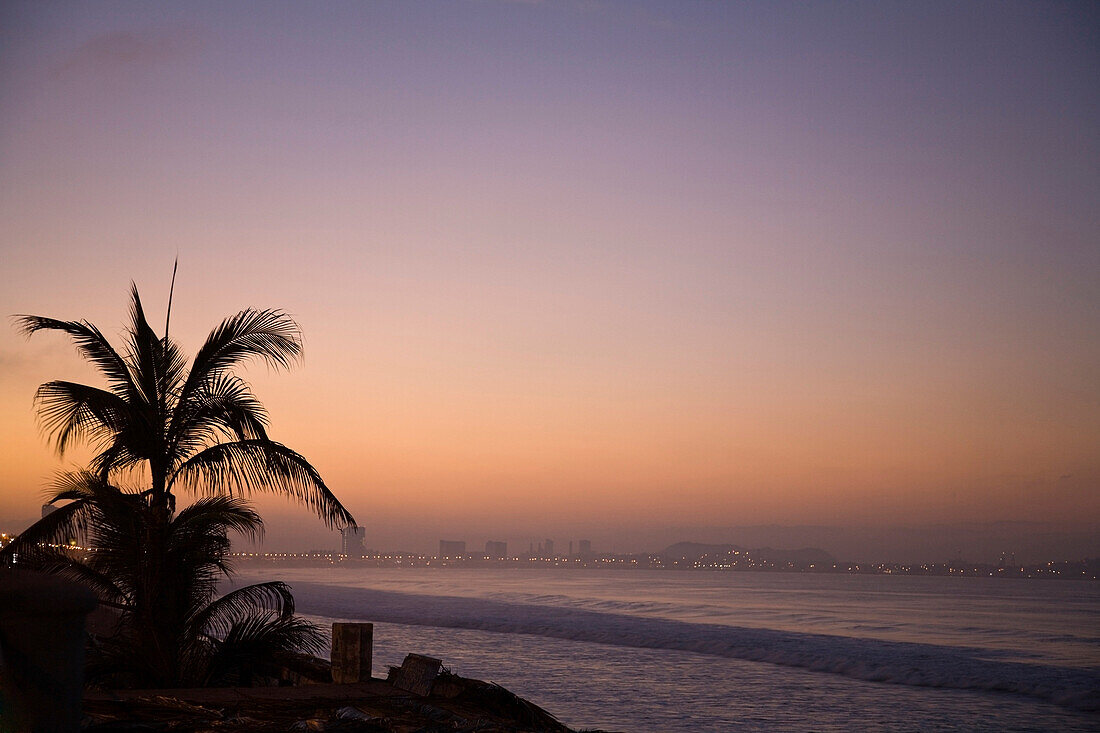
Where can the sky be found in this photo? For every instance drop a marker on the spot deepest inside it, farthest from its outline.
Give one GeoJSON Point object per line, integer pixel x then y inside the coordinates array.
{"type": "Point", "coordinates": [576, 268]}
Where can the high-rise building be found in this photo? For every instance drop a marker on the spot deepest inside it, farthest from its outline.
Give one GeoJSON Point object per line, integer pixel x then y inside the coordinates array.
{"type": "Point", "coordinates": [352, 541]}
{"type": "Point", "coordinates": [48, 509]}
{"type": "Point", "coordinates": [452, 548]}
{"type": "Point", "coordinates": [496, 550]}
{"type": "Point", "coordinates": [548, 548]}
{"type": "Point", "coordinates": [585, 550]}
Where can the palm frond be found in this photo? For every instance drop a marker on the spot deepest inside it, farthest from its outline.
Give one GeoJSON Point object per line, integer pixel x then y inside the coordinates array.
{"type": "Point", "coordinates": [197, 547]}
{"type": "Point", "coordinates": [118, 456]}
{"type": "Point", "coordinates": [65, 523]}
{"type": "Point", "coordinates": [267, 334]}
{"type": "Point", "coordinates": [146, 362]}
{"type": "Point", "coordinates": [59, 562]}
{"type": "Point", "coordinates": [91, 344]}
{"type": "Point", "coordinates": [122, 531]}
{"type": "Point", "coordinates": [221, 406]}
{"type": "Point", "coordinates": [281, 632]}
{"type": "Point", "coordinates": [73, 485]}
{"type": "Point", "coordinates": [219, 514]}
{"type": "Point", "coordinates": [246, 466]}
{"type": "Point", "coordinates": [257, 644]}
{"type": "Point", "coordinates": [69, 411]}
{"type": "Point", "coordinates": [174, 366]}
{"type": "Point", "coordinates": [217, 618]}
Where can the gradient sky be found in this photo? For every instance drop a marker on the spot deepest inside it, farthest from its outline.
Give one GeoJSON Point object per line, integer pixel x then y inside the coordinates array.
{"type": "Point", "coordinates": [570, 265]}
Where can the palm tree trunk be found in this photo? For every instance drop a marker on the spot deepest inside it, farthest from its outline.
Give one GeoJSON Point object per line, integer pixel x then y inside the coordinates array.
{"type": "Point", "coordinates": [161, 499]}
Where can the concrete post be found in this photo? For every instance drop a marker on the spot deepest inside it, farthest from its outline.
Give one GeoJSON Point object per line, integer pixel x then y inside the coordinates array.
{"type": "Point", "coordinates": [352, 645]}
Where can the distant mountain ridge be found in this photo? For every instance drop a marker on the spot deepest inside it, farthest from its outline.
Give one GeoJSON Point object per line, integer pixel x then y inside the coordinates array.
{"type": "Point", "coordinates": [698, 550]}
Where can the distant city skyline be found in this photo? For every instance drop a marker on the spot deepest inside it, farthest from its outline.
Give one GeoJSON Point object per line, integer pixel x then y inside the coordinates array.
{"type": "Point", "coordinates": [1030, 542]}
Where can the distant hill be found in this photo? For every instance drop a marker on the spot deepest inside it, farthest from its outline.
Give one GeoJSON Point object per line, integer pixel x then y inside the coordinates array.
{"type": "Point", "coordinates": [697, 550]}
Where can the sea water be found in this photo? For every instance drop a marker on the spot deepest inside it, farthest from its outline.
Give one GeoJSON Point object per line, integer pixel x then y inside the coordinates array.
{"type": "Point", "coordinates": [648, 650]}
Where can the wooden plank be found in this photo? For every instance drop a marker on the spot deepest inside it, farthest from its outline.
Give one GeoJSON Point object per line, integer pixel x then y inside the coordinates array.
{"type": "Point", "coordinates": [352, 647]}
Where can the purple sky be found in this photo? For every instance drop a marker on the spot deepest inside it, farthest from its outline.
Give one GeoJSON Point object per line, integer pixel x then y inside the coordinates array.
{"type": "Point", "coordinates": [563, 266]}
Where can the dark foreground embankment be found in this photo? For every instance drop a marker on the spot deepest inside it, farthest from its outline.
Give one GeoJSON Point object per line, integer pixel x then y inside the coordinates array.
{"type": "Point", "coordinates": [375, 706]}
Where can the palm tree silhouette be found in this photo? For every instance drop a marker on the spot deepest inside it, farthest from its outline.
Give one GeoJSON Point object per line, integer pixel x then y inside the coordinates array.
{"type": "Point", "coordinates": [169, 427]}
{"type": "Point", "coordinates": [201, 429]}
{"type": "Point", "coordinates": [162, 576]}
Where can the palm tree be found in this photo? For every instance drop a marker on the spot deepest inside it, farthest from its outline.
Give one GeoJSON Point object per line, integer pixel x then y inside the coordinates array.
{"type": "Point", "coordinates": [169, 427]}
{"type": "Point", "coordinates": [172, 631]}
{"type": "Point", "coordinates": [200, 429]}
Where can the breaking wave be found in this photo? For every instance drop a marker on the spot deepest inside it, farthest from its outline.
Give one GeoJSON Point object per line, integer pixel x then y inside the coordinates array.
{"type": "Point", "coordinates": [876, 660]}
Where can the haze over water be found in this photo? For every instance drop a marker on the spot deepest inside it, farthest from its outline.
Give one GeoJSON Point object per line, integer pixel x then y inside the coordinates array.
{"type": "Point", "coordinates": [566, 268]}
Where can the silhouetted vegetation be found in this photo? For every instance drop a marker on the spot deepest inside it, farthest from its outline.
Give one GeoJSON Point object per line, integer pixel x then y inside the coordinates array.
{"type": "Point", "coordinates": [157, 428]}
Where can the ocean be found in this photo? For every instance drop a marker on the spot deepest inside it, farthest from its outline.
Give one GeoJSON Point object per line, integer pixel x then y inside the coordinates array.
{"type": "Point", "coordinates": [669, 651]}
